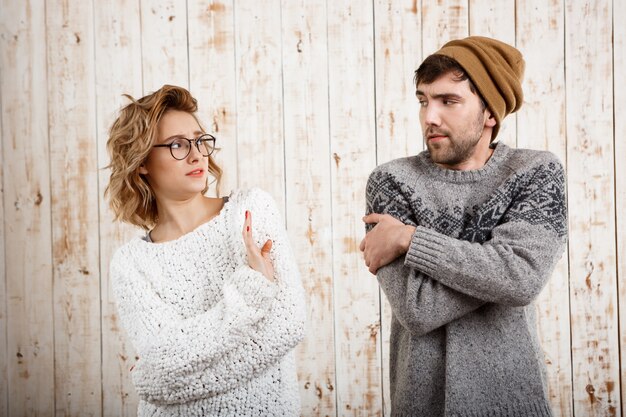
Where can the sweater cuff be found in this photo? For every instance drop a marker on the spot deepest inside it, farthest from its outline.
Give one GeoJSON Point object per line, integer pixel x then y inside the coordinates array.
{"type": "Point", "coordinates": [426, 251]}
{"type": "Point", "coordinates": [253, 286]}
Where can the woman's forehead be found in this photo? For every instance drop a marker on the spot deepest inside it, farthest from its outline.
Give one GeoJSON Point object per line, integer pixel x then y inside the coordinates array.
{"type": "Point", "coordinates": [176, 122]}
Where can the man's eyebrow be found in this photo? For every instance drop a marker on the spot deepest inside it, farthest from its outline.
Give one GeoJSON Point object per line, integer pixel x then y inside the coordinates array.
{"type": "Point", "coordinates": [440, 95]}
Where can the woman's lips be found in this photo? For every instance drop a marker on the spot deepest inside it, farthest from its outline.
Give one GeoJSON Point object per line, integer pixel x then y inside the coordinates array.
{"type": "Point", "coordinates": [195, 173]}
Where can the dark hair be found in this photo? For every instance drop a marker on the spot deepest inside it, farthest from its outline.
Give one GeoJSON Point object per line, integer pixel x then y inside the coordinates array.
{"type": "Point", "coordinates": [436, 65]}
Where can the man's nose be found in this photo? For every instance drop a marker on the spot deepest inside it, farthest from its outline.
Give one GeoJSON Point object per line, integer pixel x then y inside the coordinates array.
{"type": "Point", "coordinates": [430, 114]}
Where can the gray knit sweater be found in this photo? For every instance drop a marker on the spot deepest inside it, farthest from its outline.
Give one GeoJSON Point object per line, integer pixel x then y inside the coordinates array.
{"type": "Point", "coordinates": [463, 333]}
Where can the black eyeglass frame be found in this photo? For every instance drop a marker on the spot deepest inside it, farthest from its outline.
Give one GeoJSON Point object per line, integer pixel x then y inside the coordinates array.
{"type": "Point", "coordinates": [206, 137]}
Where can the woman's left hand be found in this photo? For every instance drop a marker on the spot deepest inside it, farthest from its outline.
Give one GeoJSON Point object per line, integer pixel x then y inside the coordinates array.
{"type": "Point", "coordinates": [258, 258]}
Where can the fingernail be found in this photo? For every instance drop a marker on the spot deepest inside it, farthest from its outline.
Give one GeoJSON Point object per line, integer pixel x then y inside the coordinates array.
{"type": "Point", "coordinates": [246, 214]}
{"type": "Point", "coordinates": [247, 228]}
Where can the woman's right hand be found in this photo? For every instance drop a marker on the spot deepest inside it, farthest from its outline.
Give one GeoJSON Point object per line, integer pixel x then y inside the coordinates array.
{"type": "Point", "coordinates": [258, 259]}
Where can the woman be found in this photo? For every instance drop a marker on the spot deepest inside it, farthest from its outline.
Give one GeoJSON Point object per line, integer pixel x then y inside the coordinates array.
{"type": "Point", "coordinates": [211, 296]}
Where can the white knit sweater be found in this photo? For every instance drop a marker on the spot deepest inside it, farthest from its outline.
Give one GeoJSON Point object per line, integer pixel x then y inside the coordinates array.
{"type": "Point", "coordinates": [213, 336]}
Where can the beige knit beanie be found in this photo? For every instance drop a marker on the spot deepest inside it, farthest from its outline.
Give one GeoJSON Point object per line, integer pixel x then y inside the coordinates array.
{"type": "Point", "coordinates": [495, 68]}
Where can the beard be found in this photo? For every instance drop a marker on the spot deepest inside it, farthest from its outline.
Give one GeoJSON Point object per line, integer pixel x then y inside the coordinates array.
{"type": "Point", "coordinates": [454, 150]}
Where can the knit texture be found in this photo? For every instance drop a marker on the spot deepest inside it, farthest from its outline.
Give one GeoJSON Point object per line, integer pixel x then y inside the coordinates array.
{"type": "Point", "coordinates": [213, 336]}
{"type": "Point", "coordinates": [496, 69]}
{"type": "Point", "coordinates": [463, 332]}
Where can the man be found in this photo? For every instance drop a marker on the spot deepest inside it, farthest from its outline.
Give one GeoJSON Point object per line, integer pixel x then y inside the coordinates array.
{"type": "Point", "coordinates": [463, 237]}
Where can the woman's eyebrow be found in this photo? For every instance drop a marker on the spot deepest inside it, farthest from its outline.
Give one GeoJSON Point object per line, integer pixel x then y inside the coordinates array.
{"type": "Point", "coordinates": [174, 137]}
{"type": "Point", "coordinates": [179, 136]}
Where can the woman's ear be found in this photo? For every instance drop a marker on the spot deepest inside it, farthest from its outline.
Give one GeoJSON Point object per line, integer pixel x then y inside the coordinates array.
{"type": "Point", "coordinates": [142, 169]}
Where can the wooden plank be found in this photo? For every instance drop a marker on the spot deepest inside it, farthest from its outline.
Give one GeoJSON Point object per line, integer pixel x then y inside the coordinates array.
{"type": "Point", "coordinates": [305, 66]}
{"type": "Point", "coordinates": [493, 19]}
{"type": "Point", "coordinates": [443, 21]}
{"type": "Point", "coordinates": [74, 190]}
{"type": "Point", "coordinates": [260, 144]}
{"type": "Point", "coordinates": [594, 328]}
{"type": "Point", "coordinates": [4, 387]}
{"type": "Point", "coordinates": [542, 125]}
{"type": "Point", "coordinates": [213, 80]}
{"type": "Point", "coordinates": [4, 358]}
{"type": "Point", "coordinates": [619, 100]}
{"type": "Point", "coordinates": [497, 20]}
{"type": "Point", "coordinates": [118, 71]}
{"type": "Point", "coordinates": [29, 319]}
{"type": "Point", "coordinates": [164, 44]}
{"type": "Point", "coordinates": [398, 52]}
{"type": "Point", "coordinates": [352, 144]}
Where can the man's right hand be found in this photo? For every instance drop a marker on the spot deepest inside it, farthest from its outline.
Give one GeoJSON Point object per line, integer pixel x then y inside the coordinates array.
{"type": "Point", "coordinates": [387, 240]}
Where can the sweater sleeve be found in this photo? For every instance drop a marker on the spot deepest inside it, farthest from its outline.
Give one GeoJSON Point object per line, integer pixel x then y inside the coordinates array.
{"type": "Point", "coordinates": [420, 303]}
{"type": "Point", "coordinates": [183, 358]}
{"type": "Point", "coordinates": [513, 265]}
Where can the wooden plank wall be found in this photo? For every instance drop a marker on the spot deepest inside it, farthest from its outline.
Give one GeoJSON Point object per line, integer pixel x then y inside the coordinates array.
{"type": "Point", "coordinates": [306, 97]}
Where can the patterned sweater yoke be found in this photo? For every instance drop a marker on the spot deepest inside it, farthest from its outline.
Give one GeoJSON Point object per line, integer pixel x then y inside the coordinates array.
{"type": "Point", "coordinates": [463, 336]}
{"type": "Point", "coordinates": [213, 336]}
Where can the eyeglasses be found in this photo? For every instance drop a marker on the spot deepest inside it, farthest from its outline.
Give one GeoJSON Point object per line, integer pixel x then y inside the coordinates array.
{"type": "Point", "coordinates": [181, 147]}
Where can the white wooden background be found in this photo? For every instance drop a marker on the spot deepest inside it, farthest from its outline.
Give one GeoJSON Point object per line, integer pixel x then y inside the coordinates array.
{"type": "Point", "coordinates": [306, 97]}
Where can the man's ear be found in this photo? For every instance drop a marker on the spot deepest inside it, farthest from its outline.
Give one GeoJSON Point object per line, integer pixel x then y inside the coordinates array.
{"type": "Point", "coordinates": [491, 120]}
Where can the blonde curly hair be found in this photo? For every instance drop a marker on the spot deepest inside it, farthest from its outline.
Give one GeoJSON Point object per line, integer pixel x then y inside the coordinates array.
{"type": "Point", "coordinates": [130, 141]}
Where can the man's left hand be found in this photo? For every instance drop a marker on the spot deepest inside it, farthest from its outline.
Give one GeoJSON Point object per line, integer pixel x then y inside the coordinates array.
{"type": "Point", "coordinates": [387, 240]}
